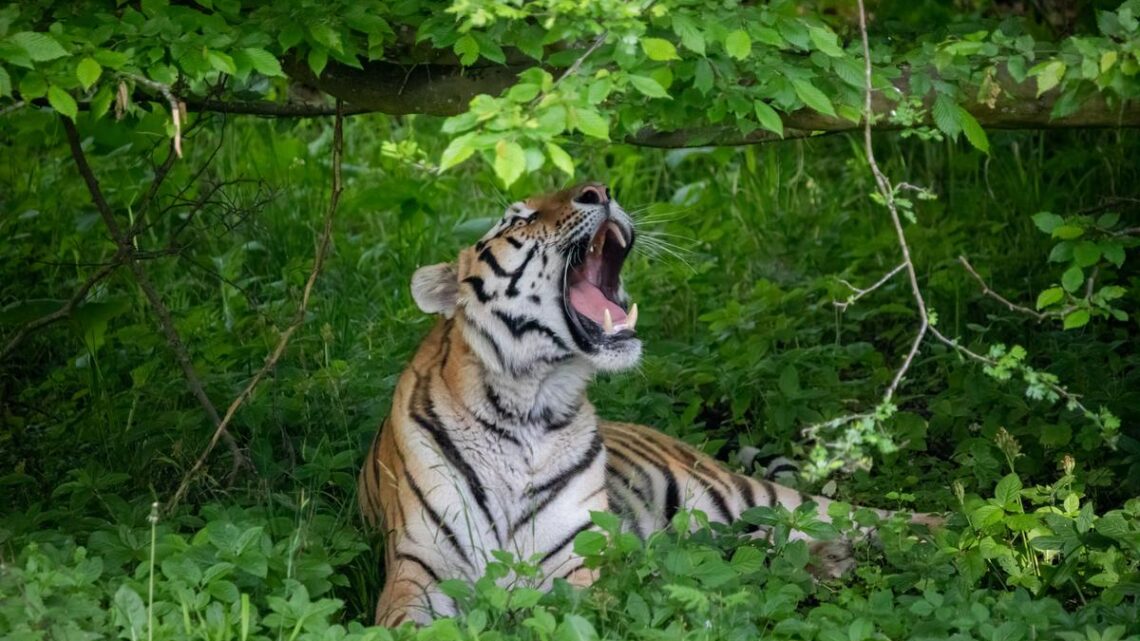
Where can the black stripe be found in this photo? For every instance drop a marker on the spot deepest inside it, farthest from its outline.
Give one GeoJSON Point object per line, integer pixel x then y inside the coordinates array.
{"type": "Point", "coordinates": [566, 541]}
{"type": "Point", "coordinates": [563, 478]}
{"type": "Point", "coordinates": [512, 287]}
{"type": "Point", "coordinates": [497, 403]}
{"type": "Point", "coordinates": [432, 425]}
{"type": "Point", "coordinates": [672, 498]}
{"type": "Point", "coordinates": [404, 556]}
{"type": "Point", "coordinates": [516, 243]}
{"type": "Point", "coordinates": [439, 523]}
{"type": "Point", "coordinates": [487, 257]}
{"type": "Point", "coordinates": [486, 336]}
{"type": "Point", "coordinates": [476, 284]}
{"type": "Point", "coordinates": [496, 430]}
{"type": "Point", "coordinates": [746, 490]}
{"type": "Point", "coordinates": [520, 326]}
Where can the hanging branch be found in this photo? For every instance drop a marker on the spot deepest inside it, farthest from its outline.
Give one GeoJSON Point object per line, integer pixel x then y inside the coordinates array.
{"type": "Point", "coordinates": [1013, 307]}
{"type": "Point", "coordinates": [125, 243]}
{"type": "Point", "coordinates": [221, 432]}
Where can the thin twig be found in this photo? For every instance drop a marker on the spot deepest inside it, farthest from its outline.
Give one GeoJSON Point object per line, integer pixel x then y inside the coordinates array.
{"type": "Point", "coordinates": [271, 361]}
{"type": "Point", "coordinates": [78, 297]}
{"type": "Point", "coordinates": [860, 293]}
{"type": "Point", "coordinates": [126, 245]}
{"type": "Point", "coordinates": [573, 68]}
{"type": "Point", "coordinates": [986, 291]}
{"type": "Point", "coordinates": [887, 192]}
{"type": "Point", "coordinates": [177, 106]}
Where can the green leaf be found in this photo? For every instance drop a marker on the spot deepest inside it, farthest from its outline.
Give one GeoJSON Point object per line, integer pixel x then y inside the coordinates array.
{"type": "Point", "coordinates": [589, 543]}
{"type": "Point", "coordinates": [659, 49]}
{"type": "Point", "coordinates": [222, 62]}
{"type": "Point", "coordinates": [1113, 252]}
{"type": "Point", "coordinates": [1077, 319]}
{"type": "Point", "coordinates": [88, 72]}
{"type": "Point", "coordinates": [326, 35]}
{"type": "Point", "coordinates": [1047, 221]}
{"type": "Point", "coordinates": [264, 62]}
{"type": "Point", "coordinates": [5, 83]}
{"type": "Point", "coordinates": [591, 123]}
{"type": "Point", "coordinates": [1008, 491]}
{"type": "Point", "coordinates": [1048, 74]}
{"type": "Point", "coordinates": [40, 47]}
{"type": "Point", "coordinates": [62, 102]}
{"type": "Point", "coordinates": [768, 118]}
{"type": "Point", "coordinates": [703, 76]}
{"type": "Point", "coordinates": [690, 35]}
{"type": "Point", "coordinates": [1072, 278]}
{"type": "Point", "coordinates": [738, 45]}
{"type": "Point", "coordinates": [648, 86]}
{"type": "Point", "coordinates": [813, 97]}
{"type": "Point", "coordinates": [1068, 232]}
{"type": "Point", "coordinates": [510, 161]}
{"type": "Point", "coordinates": [575, 628]}
{"type": "Point", "coordinates": [1086, 253]}
{"type": "Point", "coordinates": [974, 132]}
{"type": "Point", "coordinates": [1049, 297]}
{"type": "Point", "coordinates": [947, 116]}
{"type": "Point", "coordinates": [457, 151]}
{"type": "Point", "coordinates": [560, 158]}
{"type": "Point", "coordinates": [317, 59]}
{"type": "Point", "coordinates": [826, 41]}
{"type": "Point", "coordinates": [467, 48]}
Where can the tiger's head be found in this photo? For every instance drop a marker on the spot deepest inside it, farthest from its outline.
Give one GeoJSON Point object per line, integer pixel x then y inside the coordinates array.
{"type": "Point", "coordinates": [543, 285]}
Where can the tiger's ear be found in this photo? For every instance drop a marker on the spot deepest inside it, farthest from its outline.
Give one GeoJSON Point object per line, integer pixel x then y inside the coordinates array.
{"type": "Point", "coordinates": [435, 288]}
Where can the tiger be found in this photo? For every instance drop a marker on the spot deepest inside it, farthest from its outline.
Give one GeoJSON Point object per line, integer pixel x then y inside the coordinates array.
{"type": "Point", "coordinates": [491, 443]}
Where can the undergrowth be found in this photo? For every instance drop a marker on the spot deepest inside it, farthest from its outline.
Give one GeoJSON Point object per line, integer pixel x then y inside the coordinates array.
{"type": "Point", "coordinates": [745, 251]}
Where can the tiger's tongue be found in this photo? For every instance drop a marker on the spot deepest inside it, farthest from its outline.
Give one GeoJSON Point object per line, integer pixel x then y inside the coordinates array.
{"type": "Point", "coordinates": [589, 301]}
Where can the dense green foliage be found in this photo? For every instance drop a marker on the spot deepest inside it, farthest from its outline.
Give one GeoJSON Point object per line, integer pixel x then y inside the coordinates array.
{"type": "Point", "coordinates": [753, 341]}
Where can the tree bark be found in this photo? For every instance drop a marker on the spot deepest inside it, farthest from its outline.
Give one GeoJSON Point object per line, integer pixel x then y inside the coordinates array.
{"type": "Point", "coordinates": [446, 90]}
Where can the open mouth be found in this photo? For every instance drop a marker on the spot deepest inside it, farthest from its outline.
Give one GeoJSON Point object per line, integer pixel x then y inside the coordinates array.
{"type": "Point", "coordinates": [593, 280]}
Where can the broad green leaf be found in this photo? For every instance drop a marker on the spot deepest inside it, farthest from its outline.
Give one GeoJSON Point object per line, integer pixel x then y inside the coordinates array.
{"type": "Point", "coordinates": [575, 628]}
{"type": "Point", "coordinates": [317, 59]}
{"type": "Point", "coordinates": [1072, 278]}
{"type": "Point", "coordinates": [739, 45]}
{"type": "Point", "coordinates": [222, 62]}
{"type": "Point", "coordinates": [1047, 221]}
{"type": "Point", "coordinates": [88, 72]}
{"type": "Point", "coordinates": [5, 83]}
{"type": "Point", "coordinates": [1048, 75]}
{"type": "Point", "coordinates": [826, 41]}
{"type": "Point", "coordinates": [690, 35]}
{"type": "Point", "coordinates": [62, 102]}
{"type": "Point", "coordinates": [1086, 253]}
{"type": "Point", "coordinates": [467, 48]}
{"type": "Point", "coordinates": [659, 49]}
{"type": "Point", "coordinates": [510, 161]}
{"type": "Point", "coordinates": [813, 97]}
{"type": "Point", "coordinates": [457, 151]}
{"type": "Point", "coordinates": [974, 132]}
{"type": "Point", "coordinates": [768, 118]}
{"type": "Point", "coordinates": [947, 116]}
{"type": "Point", "coordinates": [326, 35]}
{"type": "Point", "coordinates": [648, 86]}
{"type": "Point", "coordinates": [589, 543]}
{"type": "Point", "coordinates": [1068, 232]}
{"type": "Point", "coordinates": [1049, 297]}
{"type": "Point", "coordinates": [40, 47]}
{"type": "Point", "coordinates": [560, 158]}
{"type": "Point", "coordinates": [1077, 319]}
{"type": "Point", "coordinates": [703, 76]}
{"type": "Point", "coordinates": [523, 92]}
{"type": "Point", "coordinates": [1113, 252]}
{"type": "Point", "coordinates": [1008, 491]}
{"type": "Point", "coordinates": [591, 123]}
{"type": "Point", "coordinates": [264, 62]}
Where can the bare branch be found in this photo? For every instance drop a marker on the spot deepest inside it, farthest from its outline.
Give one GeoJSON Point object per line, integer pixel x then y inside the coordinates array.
{"type": "Point", "coordinates": [860, 293]}
{"type": "Point", "coordinates": [271, 361]}
{"type": "Point", "coordinates": [64, 311]}
{"type": "Point", "coordinates": [125, 242]}
{"type": "Point", "coordinates": [177, 107]}
{"type": "Point", "coordinates": [1013, 307]}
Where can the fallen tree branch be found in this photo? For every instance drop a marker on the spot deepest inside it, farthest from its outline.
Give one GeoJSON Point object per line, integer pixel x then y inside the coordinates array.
{"type": "Point", "coordinates": [271, 361]}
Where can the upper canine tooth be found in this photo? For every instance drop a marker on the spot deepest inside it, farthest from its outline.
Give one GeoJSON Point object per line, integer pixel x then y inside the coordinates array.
{"type": "Point", "coordinates": [607, 321]}
{"type": "Point", "coordinates": [631, 318]}
{"type": "Point", "coordinates": [617, 233]}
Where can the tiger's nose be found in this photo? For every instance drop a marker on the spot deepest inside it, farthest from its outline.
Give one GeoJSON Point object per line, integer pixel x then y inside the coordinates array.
{"type": "Point", "coordinates": [592, 194]}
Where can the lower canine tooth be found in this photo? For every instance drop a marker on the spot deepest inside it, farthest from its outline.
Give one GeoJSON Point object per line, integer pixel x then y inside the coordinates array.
{"type": "Point", "coordinates": [607, 321]}
{"type": "Point", "coordinates": [631, 319]}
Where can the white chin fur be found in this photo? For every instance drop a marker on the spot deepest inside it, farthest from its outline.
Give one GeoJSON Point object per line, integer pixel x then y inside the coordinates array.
{"type": "Point", "coordinates": [615, 358]}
